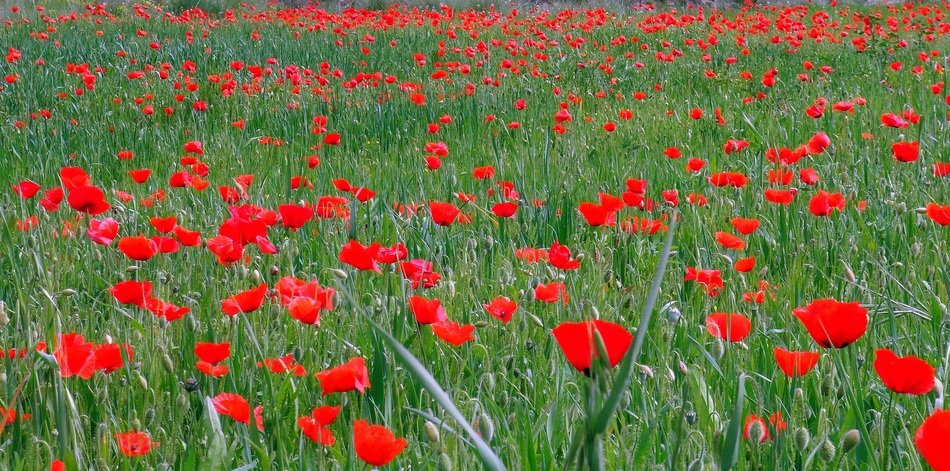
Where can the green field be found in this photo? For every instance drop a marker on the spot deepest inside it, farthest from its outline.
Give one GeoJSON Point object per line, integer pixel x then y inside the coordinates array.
{"type": "Point", "coordinates": [610, 152]}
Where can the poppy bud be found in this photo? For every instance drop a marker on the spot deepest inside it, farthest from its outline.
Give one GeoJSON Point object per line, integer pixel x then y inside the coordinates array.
{"type": "Point", "coordinates": [132, 269]}
{"type": "Point", "coordinates": [274, 271]}
{"type": "Point", "coordinates": [337, 273]}
{"type": "Point", "coordinates": [801, 438]}
{"type": "Point", "coordinates": [481, 324]}
{"type": "Point", "coordinates": [3, 376]}
{"type": "Point", "coordinates": [167, 363]}
{"type": "Point", "coordinates": [827, 451]}
{"type": "Point", "coordinates": [691, 417]}
{"type": "Point", "coordinates": [488, 381]}
{"type": "Point", "coordinates": [451, 287]}
{"type": "Point", "coordinates": [536, 320]}
{"type": "Point", "coordinates": [673, 314]}
{"type": "Point", "coordinates": [142, 382]}
{"type": "Point", "coordinates": [798, 398]}
{"type": "Point", "coordinates": [191, 385]}
{"type": "Point", "coordinates": [849, 440]}
{"type": "Point", "coordinates": [670, 374]}
{"type": "Point", "coordinates": [849, 275]}
{"type": "Point", "coordinates": [256, 275]}
{"type": "Point", "coordinates": [682, 367]}
{"type": "Point", "coordinates": [756, 433]}
{"type": "Point", "coordinates": [938, 388]}
{"type": "Point", "coordinates": [719, 349]}
{"type": "Point", "coordinates": [445, 463]}
{"type": "Point", "coordinates": [149, 415]}
{"type": "Point", "coordinates": [645, 372]}
{"type": "Point", "coordinates": [4, 320]}
{"type": "Point", "coordinates": [182, 401]}
{"type": "Point", "coordinates": [432, 433]}
{"type": "Point", "coordinates": [66, 292]}
{"type": "Point", "coordinates": [486, 428]}
{"type": "Point", "coordinates": [827, 383]}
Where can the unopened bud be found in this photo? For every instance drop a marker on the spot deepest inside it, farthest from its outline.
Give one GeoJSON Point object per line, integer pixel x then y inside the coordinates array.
{"type": "Point", "coordinates": [66, 292]}
{"type": "Point", "coordinates": [486, 428]}
{"type": "Point", "coordinates": [645, 372]}
{"type": "Point", "coordinates": [849, 275]}
{"type": "Point", "coordinates": [801, 438]}
{"type": "Point", "coordinates": [756, 432]}
{"type": "Point", "coordinates": [432, 433]}
{"type": "Point", "coordinates": [827, 451]}
{"type": "Point", "coordinates": [849, 440]}
{"type": "Point", "coordinates": [167, 363]}
{"type": "Point", "coordinates": [4, 320]}
{"type": "Point", "coordinates": [445, 462]}
{"type": "Point", "coordinates": [682, 367]}
{"type": "Point", "coordinates": [142, 381]}
{"type": "Point", "coordinates": [337, 273]}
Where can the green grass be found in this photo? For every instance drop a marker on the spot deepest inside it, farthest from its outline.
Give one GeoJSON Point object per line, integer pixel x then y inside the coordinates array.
{"type": "Point", "coordinates": [686, 390]}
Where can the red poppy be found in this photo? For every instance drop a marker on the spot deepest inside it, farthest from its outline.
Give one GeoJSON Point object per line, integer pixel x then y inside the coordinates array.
{"type": "Point", "coordinates": [138, 247]}
{"type": "Point", "coordinates": [932, 437]}
{"type": "Point", "coordinates": [102, 232]}
{"type": "Point", "coordinates": [745, 226]}
{"type": "Point", "coordinates": [710, 279]}
{"type": "Point", "coordinates": [577, 342]}
{"type": "Point", "coordinates": [818, 143]}
{"type": "Point", "coordinates": [359, 256]}
{"type": "Point", "coordinates": [443, 214]}
{"type": "Point", "coordinates": [375, 444]}
{"type": "Point", "coordinates": [245, 301]}
{"type": "Point", "coordinates": [730, 241]}
{"type": "Point", "coordinates": [294, 216]}
{"type": "Point", "coordinates": [744, 265]}
{"type": "Point", "coordinates": [186, 237]}
{"type": "Point", "coordinates": [392, 254]}
{"type": "Point", "coordinates": [939, 214]}
{"type": "Point", "coordinates": [166, 311]}
{"type": "Point", "coordinates": [506, 209]}
{"type": "Point", "coordinates": [833, 323]}
{"type": "Point", "coordinates": [560, 257]}
{"type": "Point", "coordinates": [132, 292]}
{"type": "Point", "coordinates": [730, 327]}
{"type": "Point", "coordinates": [284, 364]}
{"type": "Point", "coordinates": [550, 292]}
{"type": "Point", "coordinates": [234, 406]}
{"type": "Point", "coordinates": [349, 376]}
{"type": "Point", "coordinates": [906, 151]}
{"type": "Point", "coordinates": [795, 364]}
{"type": "Point", "coordinates": [134, 443]}
{"type": "Point", "coordinates": [754, 422]}
{"type": "Point", "coordinates": [73, 177]}
{"type": "Point", "coordinates": [226, 249]}
{"type": "Point", "coordinates": [88, 199]}
{"type": "Point", "coordinates": [501, 308]}
{"type": "Point", "coordinates": [314, 426]}
{"type": "Point", "coordinates": [427, 311]}
{"type": "Point", "coordinates": [904, 375]}
{"type": "Point", "coordinates": [453, 332]}
{"type": "Point", "coordinates": [52, 198]}
{"type": "Point", "coordinates": [213, 353]}
{"type": "Point", "coordinates": [597, 215]}
{"type": "Point", "coordinates": [824, 203]}
{"type": "Point", "coordinates": [26, 189]}
{"type": "Point", "coordinates": [194, 147]}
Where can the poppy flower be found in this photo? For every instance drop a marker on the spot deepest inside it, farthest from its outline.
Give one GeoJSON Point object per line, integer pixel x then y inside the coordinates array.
{"type": "Point", "coordinates": [284, 364]}
{"type": "Point", "coordinates": [314, 426]}
{"type": "Point", "coordinates": [795, 364]}
{"type": "Point", "coordinates": [234, 406]}
{"type": "Point", "coordinates": [211, 352]}
{"type": "Point", "coordinates": [293, 216]}
{"type": "Point", "coordinates": [427, 311]}
{"type": "Point", "coordinates": [132, 292]}
{"type": "Point", "coordinates": [245, 301]}
{"type": "Point", "coordinates": [501, 308]}
{"type": "Point", "coordinates": [88, 199]}
{"type": "Point", "coordinates": [904, 375]}
{"type": "Point", "coordinates": [577, 342]}
{"type": "Point", "coordinates": [931, 440]}
{"type": "Point", "coordinates": [550, 292]}
{"type": "Point", "coordinates": [596, 215]}
{"type": "Point", "coordinates": [26, 189]}
{"type": "Point", "coordinates": [138, 248]}
{"type": "Point", "coordinates": [392, 254]}
{"type": "Point", "coordinates": [729, 327]}
{"type": "Point", "coordinates": [375, 444]}
{"type": "Point", "coordinates": [744, 265]}
{"type": "Point", "coordinates": [52, 198]}
{"type": "Point", "coordinates": [305, 309]}
{"type": "Point", "coordinates": [560, 257]}
{"type": "Point", "coordinates": [453, 332]}
{"type": "Point", "coordinates": [939, 214]}
{"type": "Point", "coordinates": [730, 241]}
{"type": "Point", "coordinates": [133, 444]}
{"type": "Point", "coordinates": [817, 143]}
{"type": "Point", "coordinates": [165, 244]}
{"type": "Point", "coordinates": [505, 209]}
{"type": "Point", "coordinates": [892, 120]}
{"type": "Point", "coordinates": [102, 232]}
{"type": "Point", "coordinates": [757, 425]}
{"type": "Point", "coordinates": [710, 279]}
{"type": "Point", "coordinates": [73, 177]}
{"type": "Point", "coordinates": [359, 256]}
{"type": "Point", "coordinates": [906, 151]}
{"type": "Point", "coordinates": [443, 214]}
{"type": "Point", "coordinates": [226, 249]}
{"type": "Point", "coordinates": [186, 237]}
{"type": "Point", "coordinates": [419, 272]}
{"type": "Point", "coordinates": [833, 323]}
{"type": "Point", "coordinates": [824, 203]}
{"type": "Point", "coordinates": [349, 376]}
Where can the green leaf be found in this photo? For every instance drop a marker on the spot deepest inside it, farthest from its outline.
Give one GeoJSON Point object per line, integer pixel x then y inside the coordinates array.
{"type": "Point", "coordinates": [730, 445]}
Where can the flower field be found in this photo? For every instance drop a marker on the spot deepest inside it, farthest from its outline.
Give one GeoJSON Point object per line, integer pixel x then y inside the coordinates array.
{"type": "Point", "coordinates": [273, 238]}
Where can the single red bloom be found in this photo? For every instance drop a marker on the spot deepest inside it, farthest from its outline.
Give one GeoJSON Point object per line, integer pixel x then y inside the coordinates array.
{"type": "Point", "coordinates": [88, 199]}
{"type": "Point", "coordinates": [501, 308]}
{"type": "Point", "coordinates": [138, 248]}
{"type": "Point", "coordinates": [560, 257]}
{"type": "Point", "coordinates": [906, 151]}
{"type": "Point", "coordinates": [359, 256]}
{"type": "Point", "coordinates": [833, 323]}
{"type": "Point", "coordinates": [132, 292]}
{"type": "Point", "coordinates": [904, 375]}
{"type": "Point", "coordinates": [577, 342]}
{"type": "Point", "coordinates": [550, 292]}
{"type": "Point", "coordinates": [730, 241]}
{"type": "Point", "coordinates": [729, 327]}
{"type": "Point", "coordinates": [506, 209]}
{"type": "Point", "coordinates": [26, 189]}
{"type": "Point", "coordinates": [211, 352]}
{"type": "Point", "coordinates": [134, 443]}
{"type": "Point", "coordinates": [245, 301]}
{"type": "Point", "coordinates": [350, 376]}
{"type": "Point", "coordinates": [234, 406]}
{"type": "Point", "coordinates": [745, 226]}
{"type": "Point", "coordinates": [453, 332]}
{"type": "Point", "coordinates": [443, 214]}
{"type": "Point", "coordinates": [375, 444]}
{"type": "Point", "coordinates": [164, 224]}
{"type": "Point", "coordinates": [305, 309]}
{"type": "Point", "coordinates": [294, 216]}
{"type": "Point", "coordinates": [939, 214]}
{"type": "Point", "coordinates": [795, 364]}
{"type": "Point", "coordinates": [932, 438]}
{"type": "Point", "coordinates": [427, 311]}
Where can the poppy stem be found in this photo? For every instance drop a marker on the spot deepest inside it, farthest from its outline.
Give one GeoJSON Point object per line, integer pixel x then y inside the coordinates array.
{"type": "Point", "coordinates": [886, 433]}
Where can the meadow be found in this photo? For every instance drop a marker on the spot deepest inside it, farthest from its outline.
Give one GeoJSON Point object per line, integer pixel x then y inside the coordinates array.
{"type": "Point", "coordinates": [452, 239]}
